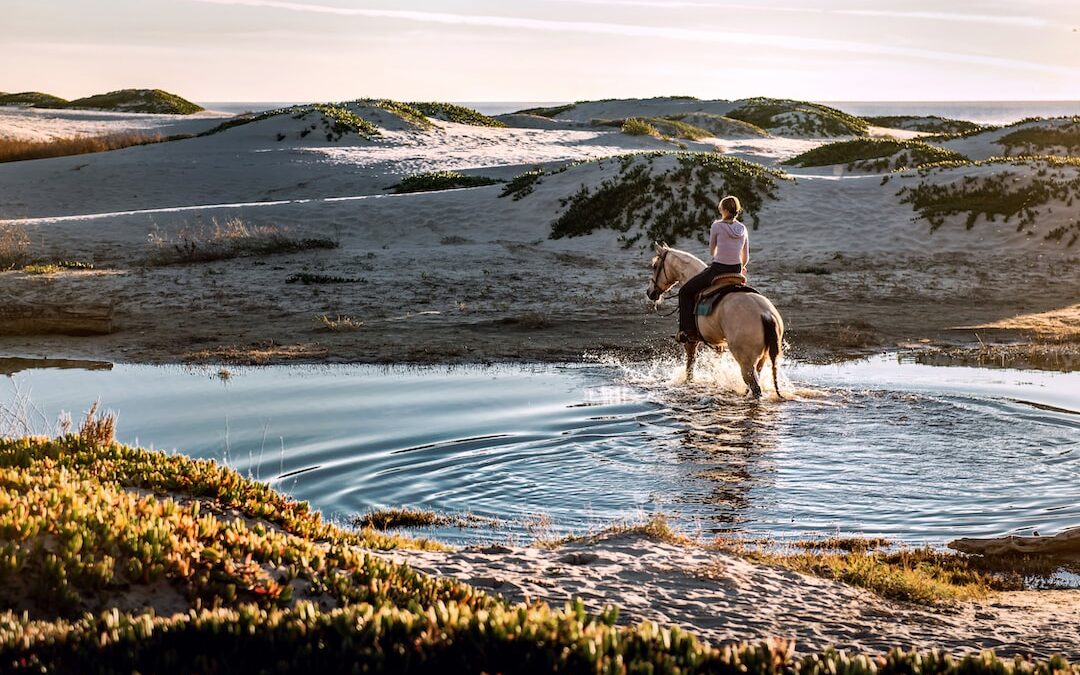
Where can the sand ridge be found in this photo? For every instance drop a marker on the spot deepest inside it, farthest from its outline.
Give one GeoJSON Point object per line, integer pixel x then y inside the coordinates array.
{"type": "Point", "coordinates": [724, 598]}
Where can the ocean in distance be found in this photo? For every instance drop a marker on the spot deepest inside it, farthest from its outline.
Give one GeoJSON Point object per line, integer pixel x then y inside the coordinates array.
{"type": "Point", "coordinates": [982, 112]}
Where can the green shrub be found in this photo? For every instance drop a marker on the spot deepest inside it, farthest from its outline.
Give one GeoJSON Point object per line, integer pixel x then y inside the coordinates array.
{"type": "Point", "coordinates": [664, 204]}
{"type": "Point", "coordinates": [523, 184]}
{"type": "Point", "coordinates": [1007, 194]}
{"type": "Point", "coordinates": [893, 154]}
{"type": "Point", "coordinates": [927, 123]}
{"type": "Point", "coordinates": [719, 125]}
{"type": "Point", "coordinates": [661, 126]}
{"type": "Point", "coordinates": [816, 119]}
{"type": "Point", "coordinates": [552, 112]}
{"type": "Point", "coordinates": [456, 113]}
{"type": "Point", "coordinates": [34, 99]}
{"type": "Point", "coordinates": [635, 126]}
{"type": "Point", "coordinates": [1036, 140]}
{"type": "Point", "coordinates": [336, 120]}
{"type": "Point", "coordinates": [440, 180]}
{"type": "Point", "coordinates": [139, 100]}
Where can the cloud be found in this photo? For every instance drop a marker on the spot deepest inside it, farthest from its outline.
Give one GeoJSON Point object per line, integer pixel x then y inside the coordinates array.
{"type": "Point", "coordinates": [1018, 21]}
{"type": "Point", "coordinates": [753, 40]}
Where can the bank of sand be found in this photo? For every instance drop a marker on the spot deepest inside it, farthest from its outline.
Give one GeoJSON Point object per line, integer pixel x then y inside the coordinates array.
{"type": "Point", "coordinates": [724, 598]}
{"type": "Point", "coordinates": [465, 275]}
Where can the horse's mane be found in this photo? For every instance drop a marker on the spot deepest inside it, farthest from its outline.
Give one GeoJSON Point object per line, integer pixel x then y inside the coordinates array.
{"type": "Point", "coordinates": [679, 253]}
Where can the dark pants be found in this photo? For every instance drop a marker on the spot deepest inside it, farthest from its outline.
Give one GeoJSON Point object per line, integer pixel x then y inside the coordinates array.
{"type": "Point", "coordinates": [688, 292]}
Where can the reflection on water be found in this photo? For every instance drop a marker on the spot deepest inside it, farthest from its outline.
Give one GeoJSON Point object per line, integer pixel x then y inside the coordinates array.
{"type": "Point", "coordinates": [901, 450]}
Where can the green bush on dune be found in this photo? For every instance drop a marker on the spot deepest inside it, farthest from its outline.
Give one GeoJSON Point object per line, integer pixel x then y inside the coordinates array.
{"type": "Point", "coordinates": [663, 204]}
{"type": "Point", "coordinates": [34, 99]}
{"type": "Point", "coordinates": [93, 531]}
{"type": "Point", "coordinates": [337, 121]}
{"type": "Point", "coordinates": [449, 112]}
{"type": "Point", "coordinates": [659, 127]}
{"type": "Point", "coordinates": [1039, 139]}
{"type": "Point", "coordinates": [440, 180]}
{"type": "Point", "coordinates": [933, 124]}
{"type": "Point", "coordinates": [1005, 194]}
{"type": "Point", "coordinates": [804, 118]}
{"type": "Point", "coordinates": [139, 100]}
{"type": "Point", "coordinates": [874, 154]}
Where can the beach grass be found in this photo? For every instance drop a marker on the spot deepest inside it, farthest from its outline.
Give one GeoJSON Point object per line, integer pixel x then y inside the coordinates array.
{"type": "Point", "coordinates": [875, 154]}
{"type": "Point", "coordinates": [16, 150]}
{"type": "Point", "coordinates": [14, 246]}
{"type": "Point", "coordinates": [232, 238]}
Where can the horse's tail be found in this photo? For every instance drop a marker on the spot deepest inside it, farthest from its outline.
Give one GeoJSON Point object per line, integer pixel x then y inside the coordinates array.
{"type": "Point", "coordinates": [772, 342]}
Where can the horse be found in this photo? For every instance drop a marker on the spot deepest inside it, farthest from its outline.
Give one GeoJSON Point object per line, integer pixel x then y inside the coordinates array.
{"type": "Point", "coordinates": [747, 322]}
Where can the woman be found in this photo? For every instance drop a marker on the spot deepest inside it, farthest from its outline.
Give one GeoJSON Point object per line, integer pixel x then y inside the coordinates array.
{"type": "Point", "coordinates": [729, 246]}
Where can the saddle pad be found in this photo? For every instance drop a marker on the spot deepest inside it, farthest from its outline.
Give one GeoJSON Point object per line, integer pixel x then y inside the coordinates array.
{"type": "Point", "coordinates": [708, 302]}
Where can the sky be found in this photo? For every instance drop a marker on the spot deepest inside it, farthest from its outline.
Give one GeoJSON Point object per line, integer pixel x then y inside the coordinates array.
{"type": "Point", "coordinates": [545, 50]}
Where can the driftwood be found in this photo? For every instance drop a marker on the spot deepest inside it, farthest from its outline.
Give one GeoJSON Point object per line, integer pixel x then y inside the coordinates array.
{"type": "Point", "coordinates": [1064, 543]}
{"type": "Point", "coordinates": [31, 319]}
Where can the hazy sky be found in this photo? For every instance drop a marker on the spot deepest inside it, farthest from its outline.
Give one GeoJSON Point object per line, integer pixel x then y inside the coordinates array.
{"type": "Point", "coordinates": [545, 50]}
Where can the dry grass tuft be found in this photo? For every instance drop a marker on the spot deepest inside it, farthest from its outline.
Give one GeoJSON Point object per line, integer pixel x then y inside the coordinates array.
{"type": "Point", "coordinates": [340, 323]}
{"type": "Point", "coordinates": [14, 246]}
{"type": "Point", "coordinates": [98, 429]}
{"type": "Point", "coordinates": [15, 150]}
{"type": "Point", "coordinates": [233, 238]}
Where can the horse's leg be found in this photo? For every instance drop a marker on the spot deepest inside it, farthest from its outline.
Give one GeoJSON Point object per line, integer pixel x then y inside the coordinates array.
{"type": "Point", "coordinates": [691, 356]}
{"type": "Point", "coordinates": [749, 367]}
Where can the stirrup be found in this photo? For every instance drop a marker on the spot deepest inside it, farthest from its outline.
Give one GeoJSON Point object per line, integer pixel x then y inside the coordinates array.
{"type": "Point", "coordinates": [685, 336]}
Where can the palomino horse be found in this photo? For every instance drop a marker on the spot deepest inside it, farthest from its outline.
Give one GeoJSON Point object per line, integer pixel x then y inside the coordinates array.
{"type": "Point", "coordinates": [748, 322]}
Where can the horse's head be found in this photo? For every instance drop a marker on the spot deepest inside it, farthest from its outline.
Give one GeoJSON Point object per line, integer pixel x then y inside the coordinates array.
{"type": "Point", "coordinates": [662, 278]}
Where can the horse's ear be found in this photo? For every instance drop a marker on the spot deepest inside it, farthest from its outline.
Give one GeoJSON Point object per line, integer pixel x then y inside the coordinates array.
{"type": "Point", "coordinates": [659, 246]}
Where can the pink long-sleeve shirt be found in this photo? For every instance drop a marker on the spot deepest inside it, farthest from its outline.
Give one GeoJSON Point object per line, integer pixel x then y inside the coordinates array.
{"type": "Point", "coordinates": [729, 242]}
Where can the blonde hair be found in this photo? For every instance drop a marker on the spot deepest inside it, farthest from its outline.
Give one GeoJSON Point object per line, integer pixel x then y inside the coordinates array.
{"type": "Point", "coordinates": [731, 204]}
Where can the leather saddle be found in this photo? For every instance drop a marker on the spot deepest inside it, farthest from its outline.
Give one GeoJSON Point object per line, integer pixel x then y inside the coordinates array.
{"type": "Point", "coordinates": [720, 288]}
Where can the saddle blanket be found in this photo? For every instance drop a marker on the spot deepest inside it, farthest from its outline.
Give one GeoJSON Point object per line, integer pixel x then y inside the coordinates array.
{"type": "Point", "coordinates": [708, 302]}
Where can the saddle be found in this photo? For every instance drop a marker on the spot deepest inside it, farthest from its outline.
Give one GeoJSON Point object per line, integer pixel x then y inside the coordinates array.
{"type": "Point", "coordinates": [722, 287]}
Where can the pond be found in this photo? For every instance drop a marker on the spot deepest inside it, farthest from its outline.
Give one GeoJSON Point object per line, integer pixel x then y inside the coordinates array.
{"type": "Point", "coordinates": [883, 447]}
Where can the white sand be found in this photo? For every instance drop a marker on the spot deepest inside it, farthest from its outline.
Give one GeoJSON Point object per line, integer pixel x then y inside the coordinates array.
{"type": "Point", "coordinates": [42, 124]}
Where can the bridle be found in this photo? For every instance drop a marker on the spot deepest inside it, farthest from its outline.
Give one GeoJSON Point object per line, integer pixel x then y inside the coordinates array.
{"type": "Point", "coordinates": [656, 273]}
{"type": "Point", "coordinates": [656, 280]}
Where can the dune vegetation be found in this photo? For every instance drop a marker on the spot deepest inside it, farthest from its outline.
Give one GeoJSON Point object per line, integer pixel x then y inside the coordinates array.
{"type": "Point", "coordinates": [34, 99]}
{"type": "Point", "coordinates": [155, 101]}
{"type": "Point", "coordinates": [138, 100]}
{"type": "Point", "coordinates": [1022, 189]}
{"type": "Point", "coordinates": [16, 150]}
{"type": "Point", "coordinates": [551, 112]}
{"type": "Point", "coordinates": [337, 121]}
{"type": "Point", "coordinates": [662, 196]}
{"type": "Point", "coordinates": [440, 180]}
{"type": "Point", "coordinates": [1044, 139]}
{"type": "Point", "coordinates": [448, 112]}
{"type": "Point", "coordinates": [932, 124]}
{"type": "Point", "coordinates": [720, 126]}
{"type": "Point", "coordinates": [658, 127]}
{"type": "Point", "coordinates": [802, 118]}
{"type": "Point", "coordinates": [875, 155]}
{"type": "Point", "coordinates": [232, 238]}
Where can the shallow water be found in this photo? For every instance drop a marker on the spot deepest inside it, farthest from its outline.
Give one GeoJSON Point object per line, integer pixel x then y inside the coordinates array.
{"type": "Point", "coordinates": [917, 453]}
